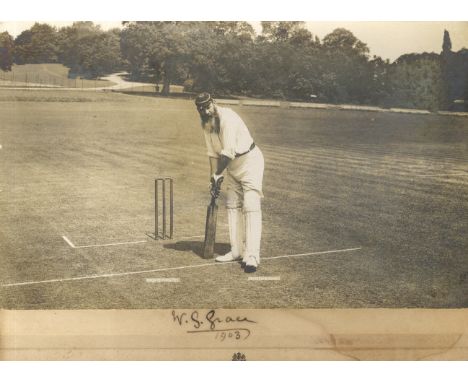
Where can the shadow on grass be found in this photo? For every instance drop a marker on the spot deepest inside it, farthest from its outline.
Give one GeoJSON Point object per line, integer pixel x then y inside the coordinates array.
{"type": "Point", "coordinates": [197, 247]}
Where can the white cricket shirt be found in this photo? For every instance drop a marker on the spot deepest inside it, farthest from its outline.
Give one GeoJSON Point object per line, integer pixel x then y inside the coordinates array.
{"type": "Point", "coordinates": [234, 136]}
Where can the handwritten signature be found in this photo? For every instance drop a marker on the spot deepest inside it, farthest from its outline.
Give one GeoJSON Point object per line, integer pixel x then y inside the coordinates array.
{"type": "Point", "coordinates": [224, 327]}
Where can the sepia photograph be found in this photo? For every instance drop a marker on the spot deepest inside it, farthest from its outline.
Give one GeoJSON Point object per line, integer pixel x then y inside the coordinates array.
{"type": "Point", "coordinates": [233, 190]}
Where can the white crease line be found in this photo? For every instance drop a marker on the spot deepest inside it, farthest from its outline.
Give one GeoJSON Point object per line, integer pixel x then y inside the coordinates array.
{"type": "Point", "coordinates": [168, 269]}
{"type": "Point", "coordinates": [68, 241]}
{"type": "Point", "coordinates": [163, 280]}
{"type": "Point", "coordinates": [264, 278]}
{"type": "Point", "coordinates": [100, 245]}
{"type": "Point", "coordinates": [111, 275]}
{"type": "Point", "coordinates": [312, 253]}
{"type": "Point", "coordinates": [189, 237]}
{"type": "Point", "coordinates": [219, 234]}
{"type": "Point", "coordinates": [110, 244]}
{"type": "Point", "coordinates": [198, 236]}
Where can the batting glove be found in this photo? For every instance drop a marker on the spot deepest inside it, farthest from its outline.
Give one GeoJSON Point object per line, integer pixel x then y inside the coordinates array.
{"type": "Point", "coordinates": [215, 184]}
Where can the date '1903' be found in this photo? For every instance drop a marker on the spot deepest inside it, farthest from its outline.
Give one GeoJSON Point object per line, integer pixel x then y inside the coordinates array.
{"type": "Point", "coordinates": [224, 327]}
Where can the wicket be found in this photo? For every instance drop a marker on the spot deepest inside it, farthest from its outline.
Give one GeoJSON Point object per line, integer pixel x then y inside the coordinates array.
{"type": "Point", "coordinates": [164, 182]}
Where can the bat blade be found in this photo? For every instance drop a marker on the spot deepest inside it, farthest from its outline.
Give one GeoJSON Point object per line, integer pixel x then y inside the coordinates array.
{"type": "Point", "coordinates": [210, 229]}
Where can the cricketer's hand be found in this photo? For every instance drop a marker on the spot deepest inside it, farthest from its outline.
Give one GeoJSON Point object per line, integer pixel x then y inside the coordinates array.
{"type": "Point", "coordinates": [215, 185]}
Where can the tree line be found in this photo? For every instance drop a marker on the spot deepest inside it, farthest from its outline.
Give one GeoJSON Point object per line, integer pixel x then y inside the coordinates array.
{"type": "Point", "coordinates": [284, 61]}
{"type": "Point", "coordinates": [83, 47]}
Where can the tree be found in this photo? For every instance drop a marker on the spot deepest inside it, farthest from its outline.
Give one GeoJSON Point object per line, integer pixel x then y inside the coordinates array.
{"type": "Point", "coordinates": [458, 70]}
{"type": "Point", "coordinates": [156, 49]}
{"type": "Point", "coordinates": [135, 49]}
{"type": "Point", "coordinates": [285, 61]}
{"type": "Point", "coordinates": [449, 73]}
{"type": "Point", "coordinates": [378, 89]}
{"type": "Point", "coordinates": [70, 38]}
{"type": "Point", "coordinates": [463, 54]}
{"type": "Point", "coordinates": [88, 51]}
{"type": "Point", "coordinates": [170, 50]}
{"type": "Point", "coordinates": [447, 43]}
{"type": "Point", "coordinates": [301, 37]}
{"type": "Point", "coordinates": [415, 81]}
{"type": "Point", "coordinates": [221, 56]}
{"type": "Point", "coordinates": [280, 30]}
{"type": "Point", "coordinates": [347, 74]}
{"type": "Point", "coordinates": [36, 45]}
{"type": "Point", "coordinates": [238, 29]}
{"type": "Point", "coordinates": [6, 51]}
{"type": "Point", "coordinates": [174, 52]}
{"type": "Point", "coordinates": [343, 39]}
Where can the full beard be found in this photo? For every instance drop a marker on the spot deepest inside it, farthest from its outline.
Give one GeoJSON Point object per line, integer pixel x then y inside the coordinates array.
{"type": "Point", "coordinates": [205, 119]}
{"type": "Point", "coordinates": [210, 123]}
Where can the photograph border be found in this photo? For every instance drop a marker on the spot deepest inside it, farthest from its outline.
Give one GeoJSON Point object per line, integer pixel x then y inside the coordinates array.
{"type": "Point", "coordinates": [277, 334]}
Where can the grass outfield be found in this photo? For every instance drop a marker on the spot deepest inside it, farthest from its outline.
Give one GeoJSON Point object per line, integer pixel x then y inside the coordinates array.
{"type": "Point", "coordinates": [82, 166]}
{"type": "Point", "coordinates": [36, 75]}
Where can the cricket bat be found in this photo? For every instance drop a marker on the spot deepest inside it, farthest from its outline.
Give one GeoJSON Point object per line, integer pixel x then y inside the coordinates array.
{"type": "Point", "coordinates": [210, 229]}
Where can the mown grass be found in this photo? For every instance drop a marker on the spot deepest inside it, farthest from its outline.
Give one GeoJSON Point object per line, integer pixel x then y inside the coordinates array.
{"type": "Point", "coordinates": [85, 169]}
{"type": "Point", "coordinates": [53, 95]}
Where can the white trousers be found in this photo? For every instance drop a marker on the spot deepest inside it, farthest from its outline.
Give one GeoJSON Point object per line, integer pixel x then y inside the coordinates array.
{"type": "Point", "coordinates": [243, 201]}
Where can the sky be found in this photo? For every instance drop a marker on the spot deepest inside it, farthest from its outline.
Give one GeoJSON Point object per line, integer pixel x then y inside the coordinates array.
{"type": "Point", "coordinates": [390, 40]}
{"type": "Point", "coordinates": [387, 39]}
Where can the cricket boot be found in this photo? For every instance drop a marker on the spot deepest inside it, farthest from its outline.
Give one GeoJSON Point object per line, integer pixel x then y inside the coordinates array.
{"type": "Point", "coordinates": [236, 236]}
{"type": "Point", "coordinates": [253, 235]}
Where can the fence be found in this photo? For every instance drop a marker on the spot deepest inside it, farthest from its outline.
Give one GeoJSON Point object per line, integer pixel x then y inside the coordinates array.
{"type": "Point", "coordinates": [43, 80]}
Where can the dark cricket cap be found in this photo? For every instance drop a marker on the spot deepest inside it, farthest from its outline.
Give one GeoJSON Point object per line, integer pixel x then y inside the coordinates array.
{"type": "Point", "coordinates": [203, 98]}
